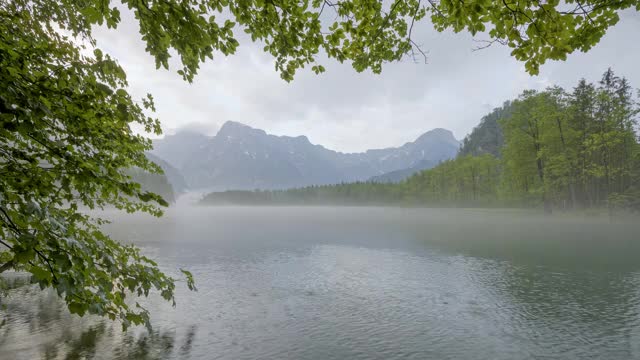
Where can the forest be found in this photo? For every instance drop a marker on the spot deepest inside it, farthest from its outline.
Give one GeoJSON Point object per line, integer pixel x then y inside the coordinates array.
{"type": "Point", "coordinates": [551, 149]}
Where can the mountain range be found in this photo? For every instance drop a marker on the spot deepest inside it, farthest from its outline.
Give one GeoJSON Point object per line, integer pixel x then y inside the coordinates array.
{"type": "Point", "coordinates": [241, 157]}
{"type": "Point", "coordinates": [399, 175]}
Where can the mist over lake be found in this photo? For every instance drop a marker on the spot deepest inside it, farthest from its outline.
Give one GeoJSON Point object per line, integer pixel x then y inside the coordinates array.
{"type": "Point", "coordinates": [360, 282]}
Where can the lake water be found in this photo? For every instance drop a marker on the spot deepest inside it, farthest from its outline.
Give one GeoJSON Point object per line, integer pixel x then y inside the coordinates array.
{"type": "Point", "coordinates": [360, 283]}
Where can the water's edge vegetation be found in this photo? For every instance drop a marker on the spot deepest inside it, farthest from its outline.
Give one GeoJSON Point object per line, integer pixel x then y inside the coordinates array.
{"type": "Point", "coordinates": [551, 149]}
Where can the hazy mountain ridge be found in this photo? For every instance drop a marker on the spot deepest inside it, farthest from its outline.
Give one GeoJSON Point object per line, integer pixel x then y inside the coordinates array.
{"type": "Point", "coordinates": [487, 137]}
{"type": "Point", "coordinates": [173, 175]}
{"type": "Point", "coordinates": [242, 157]}
{"type": "Point", "coordinates": [155, 183]}
{"type": "Point", "coordinates": [402, 174]}
{"type": "Point", "coordinates": [167, 185]}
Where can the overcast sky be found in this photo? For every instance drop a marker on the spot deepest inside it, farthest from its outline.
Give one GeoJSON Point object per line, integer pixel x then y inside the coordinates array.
{"type": "Point", "coordinates": [349, 111]}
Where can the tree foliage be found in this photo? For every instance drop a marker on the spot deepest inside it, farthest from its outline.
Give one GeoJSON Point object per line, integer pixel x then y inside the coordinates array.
{"type": "Point", "coordinates": [536, 30]}
{"type": "Point", "coordinates": [66, 144]}
{"type": "Point", "coordinates": [367, 33]}
{"type": "Point", "coordinates": [573, 149]}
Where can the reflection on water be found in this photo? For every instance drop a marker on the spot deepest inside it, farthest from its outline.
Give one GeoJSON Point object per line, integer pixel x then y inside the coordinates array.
{"type": "Point", "coordinates": [323, 283]}
{"type": "Point", "coordinates": [52, 333]}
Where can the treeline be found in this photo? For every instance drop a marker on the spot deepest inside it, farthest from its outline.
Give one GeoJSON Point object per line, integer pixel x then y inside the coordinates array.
{"type": "Point", "coordinates": [550, 149]}
{"type": "Point", "coordinates": [357, 193]}
{"type": "Point", "coordinates": [577, 149]}
{"type": "Point", "coordinates": [465, 181]}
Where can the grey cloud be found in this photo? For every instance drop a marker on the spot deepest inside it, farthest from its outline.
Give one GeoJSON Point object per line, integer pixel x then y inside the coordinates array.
{"type": "Point", "coordinates": [206, 128]}
{"type": "Point", "coordinates": [351, 111]}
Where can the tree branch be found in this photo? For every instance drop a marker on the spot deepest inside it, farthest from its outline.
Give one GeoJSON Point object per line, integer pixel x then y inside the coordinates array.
{"type": "Point", "coordinates": [386, 18]}
{"type": "Point", "coordinates": [5, 244]}
{"type": "Point", "coordinates": [46, 260]}
{"type": "Point", "coordinates": [586, 14]}
{"type": "Point", "coordinates": [424, 55]}
{"type": "Point", "coordinates": [6, 266]}
{"type": "Point", "coordinates": [9, 221]}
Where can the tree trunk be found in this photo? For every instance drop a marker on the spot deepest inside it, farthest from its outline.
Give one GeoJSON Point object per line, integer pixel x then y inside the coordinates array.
{"type": "Point", "coordinates": [572, 192]}
{"type": "Point", "coordinates": [545, 198]}
{"type": "Point", "coordinates": [572, 172]}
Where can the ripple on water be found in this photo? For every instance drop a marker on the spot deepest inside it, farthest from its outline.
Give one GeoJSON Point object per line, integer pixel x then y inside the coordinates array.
{"type": "Point", "coordinates": [387, 286]}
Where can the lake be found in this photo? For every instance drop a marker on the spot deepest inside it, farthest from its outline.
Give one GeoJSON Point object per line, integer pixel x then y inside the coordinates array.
{"type": "Point", "coordinates": [360, 283]}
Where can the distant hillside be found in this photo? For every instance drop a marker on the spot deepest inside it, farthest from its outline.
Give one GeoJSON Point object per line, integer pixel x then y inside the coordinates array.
{"type": "Point", "coordinates": [166, 185]}
{"type": "Point", "coordinates": [155, 183]}
{"type": "Point", "coordinates": [487, 137]}
{"type": "Point", "coordinates": [403, 174]}
{"type": "Point", "coordinates": [240, 157]}
{"type": "Point", "coordinates": [178, 149]}
{"type": "Point", "coordinates": [173, 175]}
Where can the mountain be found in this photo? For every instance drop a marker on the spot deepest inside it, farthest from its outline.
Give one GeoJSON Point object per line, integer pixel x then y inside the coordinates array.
{"type": "Point", "coordinates": [487, 137]}
{"type": "Point", "coordinates": [402, 174]}
{"type": "Point", "coordinates": [155, 183]}
{"type": "Point", "coordinates": [242, 157]}
{"type": "Point", "coordinates": [166, 185]}
{"type": "Point", "coordinates": [174, 177]}
{"type": "Point", "coordinates": [179, 148]}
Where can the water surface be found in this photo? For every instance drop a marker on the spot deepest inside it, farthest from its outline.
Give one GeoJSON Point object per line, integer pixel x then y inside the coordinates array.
{"type": "Point", "coordinates": [361, 283]}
